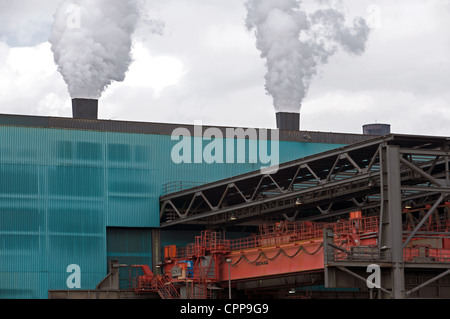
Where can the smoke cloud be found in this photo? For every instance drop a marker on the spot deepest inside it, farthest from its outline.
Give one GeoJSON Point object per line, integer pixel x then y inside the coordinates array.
{"type": "Point", "coordinates": [294, 43]}
{"type": "Point", "coordinates": [91, 42]}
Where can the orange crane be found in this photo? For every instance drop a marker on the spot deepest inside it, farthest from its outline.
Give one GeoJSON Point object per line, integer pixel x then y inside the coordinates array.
{"type": "Point", "coordinates": [279, 249]}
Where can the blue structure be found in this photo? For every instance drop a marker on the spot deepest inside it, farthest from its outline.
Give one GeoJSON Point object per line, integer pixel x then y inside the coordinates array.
{"type": "Point", "coordinates": [81, 192]}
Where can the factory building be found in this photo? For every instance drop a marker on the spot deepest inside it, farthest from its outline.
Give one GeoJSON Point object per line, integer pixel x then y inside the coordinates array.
{"type": "Point", "coordinates": [77, 193]}
{"type": "Point", "coordinates": [114, 209]}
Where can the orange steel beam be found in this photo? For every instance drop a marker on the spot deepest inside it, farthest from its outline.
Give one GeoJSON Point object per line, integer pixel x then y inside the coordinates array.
{"type": "Point", "coordinates": [274, 260]}
{"type": "Point", "coordinates": [283, 248]}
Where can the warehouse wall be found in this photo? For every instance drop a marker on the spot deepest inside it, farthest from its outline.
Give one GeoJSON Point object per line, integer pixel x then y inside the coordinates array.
{"type": "Point", "coordinates": [77, 197]}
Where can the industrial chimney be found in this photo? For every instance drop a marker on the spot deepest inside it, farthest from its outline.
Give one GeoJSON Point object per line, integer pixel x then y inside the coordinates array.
{"type": "Point", "coordinates": [288, 121]}
{"type": "Point", "coordinates": [85, 109]}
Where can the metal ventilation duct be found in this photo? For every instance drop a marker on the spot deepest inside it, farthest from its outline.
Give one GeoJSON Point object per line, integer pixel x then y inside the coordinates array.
{"type": "Point", "coordinates": [288, 121]}
{"type": "Point", "coordinates": [85, 109]}
{"type": "Point", "coordinates": [377, 129]}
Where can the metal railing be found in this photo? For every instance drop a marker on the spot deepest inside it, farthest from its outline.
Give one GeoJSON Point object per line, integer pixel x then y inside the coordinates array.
{"type": "Point", "coordinates": [431, 244]}
{"type": "Point", "coordinates": [276, 234]}
{"type": "Point", "coordinates": [359, 253]}
{"type": "Point", "coordinates": [426, 253]}
{"type": "Point", "coordinates": [177, 186]}
{"type": "Point", "coordinates": [420, 254]}
{"type": "Point", "coordinates": [289, 232]}
{"type": "Point", "coordinates": [209, 241]}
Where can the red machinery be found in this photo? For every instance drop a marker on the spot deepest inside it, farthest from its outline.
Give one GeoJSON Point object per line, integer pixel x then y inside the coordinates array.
{"type": "Point", "coordinates": [279, 249]}
{"type": "Point", "coordinates": [149, 282]}
{"type": "Point", "coordinates": [291, 247]}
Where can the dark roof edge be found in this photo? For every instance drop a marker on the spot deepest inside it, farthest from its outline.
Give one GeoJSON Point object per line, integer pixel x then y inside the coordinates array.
{"type": "Point", "coordinates": [166, 128]}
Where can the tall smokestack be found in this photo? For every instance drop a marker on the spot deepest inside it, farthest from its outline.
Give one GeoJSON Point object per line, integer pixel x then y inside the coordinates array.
{"type": "Point", "coordinates": [91, 42]}
{"type": "Point", "coordinates": [85, 109]}
{"type": "Point", "coordinates": [288, 121]}
{"type": "Point", "coordinates": [295, 42]}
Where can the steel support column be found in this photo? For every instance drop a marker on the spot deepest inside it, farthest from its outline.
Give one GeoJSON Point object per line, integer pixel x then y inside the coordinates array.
{"type": "Point", "coordinates": [156, 249]}
{"type": "Point", "coordinates": [391, 232]}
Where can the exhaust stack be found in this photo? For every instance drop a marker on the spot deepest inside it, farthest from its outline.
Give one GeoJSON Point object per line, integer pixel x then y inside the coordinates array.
{"type": "Point", "coordinates": [288, 121]}
{"type": "Point", "coordinates": [85, 109]}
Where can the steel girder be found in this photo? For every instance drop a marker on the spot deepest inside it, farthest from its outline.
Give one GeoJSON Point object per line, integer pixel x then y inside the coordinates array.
{"type": "Point", "coordinates": [318, 186]}
{"type": "Point", "coordinates": [413, 174]}
{"type": "Point", "coordinates": [377, 177]}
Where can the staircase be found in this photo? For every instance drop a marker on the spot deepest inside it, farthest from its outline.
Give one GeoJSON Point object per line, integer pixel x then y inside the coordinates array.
{"type": "Point", "coordinates": [166, 289]}
{"type": "Point", "coordinates": [150, 283]}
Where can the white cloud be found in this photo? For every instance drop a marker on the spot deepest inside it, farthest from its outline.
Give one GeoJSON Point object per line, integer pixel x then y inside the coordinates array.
{"type": "Point", "coordinates": [28, 77]}
{"type": "Point", "coordinates": [153, 72]}
{"type": "Point", "coordinates": [401, 79]}
{"type": "Point", "coordinates": [26, 22]}
{"type": "Point", "coordinates": [205, 66]}
{"type": "Point", "coordinates": [408, 113]}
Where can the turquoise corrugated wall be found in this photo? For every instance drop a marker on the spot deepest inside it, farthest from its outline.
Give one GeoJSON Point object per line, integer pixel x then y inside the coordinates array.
{"type": "Point", "coordinates": [130, 246]}
{"type": "Point", "coordinates": [61, 189]}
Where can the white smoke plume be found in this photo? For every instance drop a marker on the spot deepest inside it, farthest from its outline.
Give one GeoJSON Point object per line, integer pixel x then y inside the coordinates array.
{"type": "Point", "coordinates": [294, 43]}
{"type": "Point", "coordinates": [91, 42]}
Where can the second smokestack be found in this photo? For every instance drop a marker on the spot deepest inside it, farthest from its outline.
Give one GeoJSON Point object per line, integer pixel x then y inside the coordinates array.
{"type": "Point", "coordinates": [85, 109]}
{"type": "Point", "coordinates": [288, 121]}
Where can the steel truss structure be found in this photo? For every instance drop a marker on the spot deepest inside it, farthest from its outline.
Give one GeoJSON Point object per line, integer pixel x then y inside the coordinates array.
{"type": "Point", "coordinates": [380, 177]}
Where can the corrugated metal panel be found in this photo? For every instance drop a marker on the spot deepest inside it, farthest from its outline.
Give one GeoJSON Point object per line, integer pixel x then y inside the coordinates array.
{"type": "Point", "coordinates": [131, 175]}
{"type": "Point", "coordinates": [51, 214]}
{"type": "Point", "coordinates": [133, 243]}
{"type": "Point", "coordinates": [60, 189]}
{"type": "Point", "coordinates": [180, 238]}
{"type": "Point", "coordinates": [130, 246]}
{"type": "Point", "coordinates": [124, 172]}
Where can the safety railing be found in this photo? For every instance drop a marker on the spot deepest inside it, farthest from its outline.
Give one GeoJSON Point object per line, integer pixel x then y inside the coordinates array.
{"type": "Point", "coordinates": [157, 284]}
{"type": "Point", "coordinates": [358, 253]}
{"type": "Point", "coordinates": [166, 289]}
{"type": "Point", "coordinates": [289, 232]}
{"type": "Point", "coordinates": [177, 186]}
{"type": "Point", "coordinates": [357, 225]}
{"type": "Point", "coordinates": [245, 243]}
{"type": "Point", "coordinates": [209, 241]}
{"type": "Point", "coordinates": [307, 229]}
{"type": "Point", "coordinates": [419, 254]}
{"type": "Point", "coordinates": [431, 244]}
{"type": "Point", "coordinates": [426, 253]}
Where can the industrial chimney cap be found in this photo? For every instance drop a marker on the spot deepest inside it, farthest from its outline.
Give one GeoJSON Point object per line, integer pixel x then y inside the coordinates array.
{"type": "Point", "coordinates": [288, 121]}
{"type": "Point", "coordinates": [377, 129]}
{"type": "Point", "coordinates": [85, 109]}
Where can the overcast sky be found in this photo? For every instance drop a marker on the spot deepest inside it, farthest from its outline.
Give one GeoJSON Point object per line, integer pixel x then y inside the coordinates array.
{"type": "Point", "coordinates": [195, 60]}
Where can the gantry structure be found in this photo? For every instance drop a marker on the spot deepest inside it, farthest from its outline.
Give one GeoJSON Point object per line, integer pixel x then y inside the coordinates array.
{"type": "Point", "coordinates": [404, 180]}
